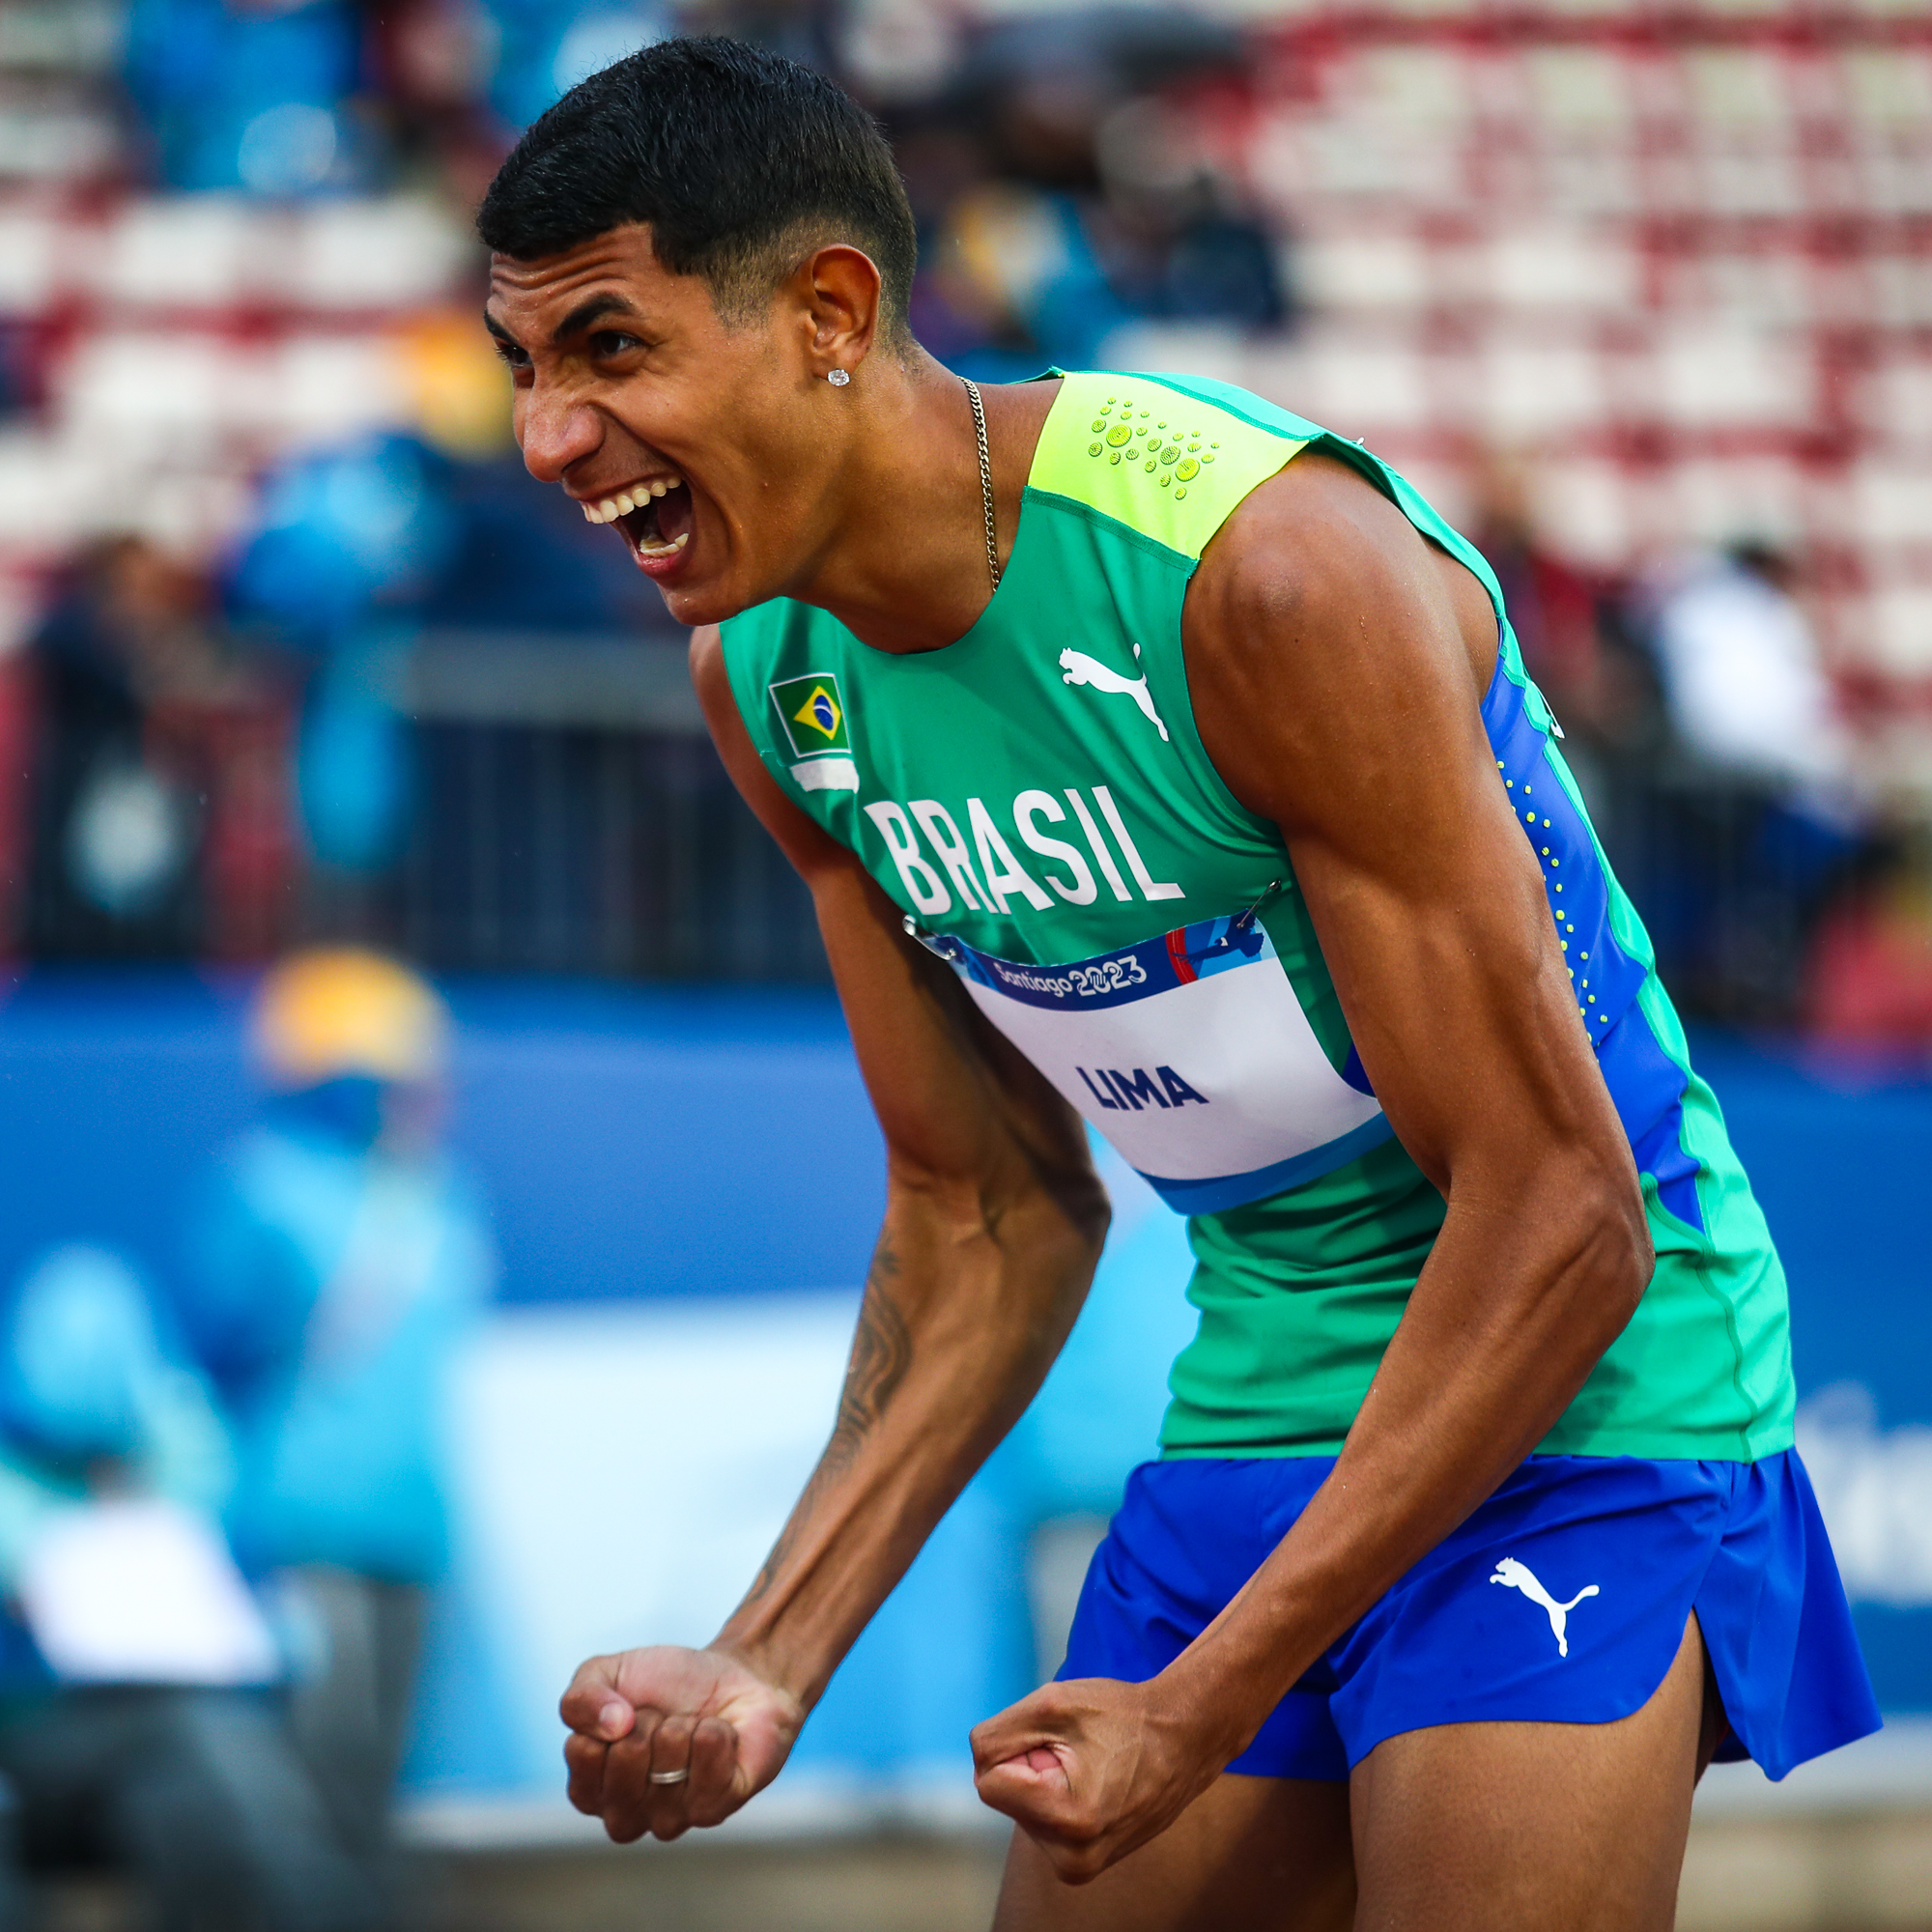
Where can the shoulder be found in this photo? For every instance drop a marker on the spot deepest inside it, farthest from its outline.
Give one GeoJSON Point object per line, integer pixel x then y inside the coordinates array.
{"type": "Point", "coordinates": [1315, 543]}
{"type": "Point", "coordinates": [1328, 639]}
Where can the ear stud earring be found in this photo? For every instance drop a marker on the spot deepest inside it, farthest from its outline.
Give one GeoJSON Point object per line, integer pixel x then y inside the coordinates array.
{"type": "Point", "coordinates": [837, 377]}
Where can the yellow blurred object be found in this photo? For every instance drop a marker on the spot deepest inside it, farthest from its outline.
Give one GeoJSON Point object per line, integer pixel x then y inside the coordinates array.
{"type": "Point", "coordinates": [1001, 245]}
{"type": "Point", "coordinates": [336, 1011]}
{"type": "Point", "coordinates": [459, 390]}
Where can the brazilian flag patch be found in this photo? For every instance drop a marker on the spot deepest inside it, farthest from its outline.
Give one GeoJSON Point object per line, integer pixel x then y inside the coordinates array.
{"type": "Point", "coordinates": [813, 713]}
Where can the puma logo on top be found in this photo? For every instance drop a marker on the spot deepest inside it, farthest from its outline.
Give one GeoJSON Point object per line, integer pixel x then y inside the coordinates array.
{"type": "Point", "coordinates": [1521, 1576]}
{"type": "Point", "coordinates": [1080, 668]}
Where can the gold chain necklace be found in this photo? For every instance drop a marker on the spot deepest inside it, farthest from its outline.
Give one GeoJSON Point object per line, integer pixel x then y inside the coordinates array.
{"type": "Point", "coordinates": [985, 478]}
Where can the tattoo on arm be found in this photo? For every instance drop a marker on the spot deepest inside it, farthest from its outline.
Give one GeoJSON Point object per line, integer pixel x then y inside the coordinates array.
{"type": "Point", "coordinates": [881, 1354]}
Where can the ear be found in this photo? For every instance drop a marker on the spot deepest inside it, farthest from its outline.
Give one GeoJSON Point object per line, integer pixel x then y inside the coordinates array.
{"type": "Point", "coordinates": [837, 289]}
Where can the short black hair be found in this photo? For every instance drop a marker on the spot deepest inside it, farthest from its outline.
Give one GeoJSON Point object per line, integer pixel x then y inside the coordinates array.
{"type": "Point", "coordinates": [739, 160]}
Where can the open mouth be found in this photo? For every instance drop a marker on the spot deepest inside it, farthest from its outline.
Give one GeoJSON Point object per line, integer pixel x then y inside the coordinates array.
{"type": "Point", "coordinates": [656, 518]}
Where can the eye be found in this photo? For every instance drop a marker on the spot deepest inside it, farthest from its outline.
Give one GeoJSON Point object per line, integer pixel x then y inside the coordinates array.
{"type": "Point", "coordinates": [607, 343]}
{"type": "Point", "coordinates": [514, 356]}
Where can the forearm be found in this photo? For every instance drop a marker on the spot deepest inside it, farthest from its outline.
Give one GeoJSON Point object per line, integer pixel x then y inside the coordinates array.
{"type": "Point", "coordinates": [965, 1308]}
{"type": "Point", "coordinates": [1514, 1308]}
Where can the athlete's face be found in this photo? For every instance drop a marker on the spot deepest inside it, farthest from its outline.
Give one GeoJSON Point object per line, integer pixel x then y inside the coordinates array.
{"type": "Point", "coordinates": [704, 447]}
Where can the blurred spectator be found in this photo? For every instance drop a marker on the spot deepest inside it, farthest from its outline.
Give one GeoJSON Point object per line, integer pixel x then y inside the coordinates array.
{"type": "Point", "coordinates": [1746, 689]}
{"type": "Point", "coordinates": [1015, 286]}
{"type": "Point", "coordinates": [341, 531]}
{"type": "Point", "coordinates": [161, 766]}
{"type": "Point", "coordinates": [545, 47]}
{"type": "Point", "coordinates": [1061, 192]}
{"type": "Point", "coordinates": [344, 538]}
{"type": "Point", "coordinates": [392, 530]}
{"type": "Point", "coordinates": [339, 1259]}
{"type": "Point", "coordinates": [357, 548]}
{"type": "Point", "coordinates": [250, 96]}
{"type": "Point", "coordinates": [1757, 823]}
{"type": "Point", "coordinates": [811, 32]}
{"type": "Point", "coordinates": [1870, 969]}
{"type": "Point", "coordinates": [433, 60]}
{"type": "Point", "coordinates": [293, 98]}
{"type": "Point", "coordinates": [1750, 698]}
{"type": "Point", "coordinates": [1556, 610]}
{"type": "Point", "coordinates": [1179, 244]}
{"type": "Point", "coordinates": [135, 1726]}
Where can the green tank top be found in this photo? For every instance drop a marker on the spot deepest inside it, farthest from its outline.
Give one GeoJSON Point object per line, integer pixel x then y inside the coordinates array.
{"type": "Point", "coordinates": [1036, 800]}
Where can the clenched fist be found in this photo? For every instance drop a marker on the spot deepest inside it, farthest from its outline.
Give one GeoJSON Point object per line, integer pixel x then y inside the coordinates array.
{"type": "Point", "coordinates": [666, 1710]}
{"type": "Point", "coordinates": [1093, 1769]}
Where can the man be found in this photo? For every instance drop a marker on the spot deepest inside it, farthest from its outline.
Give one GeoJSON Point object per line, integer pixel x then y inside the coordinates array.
{"type": "Point", "coordinates": [1150, 753]}
{"type": "Point", "coordinates": [340, 1257]}
{"type": "Point", "coordinates": [140, 1722]}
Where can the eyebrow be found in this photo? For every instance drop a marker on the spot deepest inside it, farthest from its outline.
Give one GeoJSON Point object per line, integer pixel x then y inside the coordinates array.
{"type": "Point", "coordinates": [594, 309]}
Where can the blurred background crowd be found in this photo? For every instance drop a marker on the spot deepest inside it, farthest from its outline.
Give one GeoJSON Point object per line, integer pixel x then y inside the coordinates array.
{"type": "Point", "coordinates": [222, 1508]}
{"type": "Point", "coordinates": [301, 677]}
{"type": "Point", "coordinates": [291, 648]}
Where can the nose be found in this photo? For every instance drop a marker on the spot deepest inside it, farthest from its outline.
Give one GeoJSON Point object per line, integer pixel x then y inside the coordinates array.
{"type": "Point", "coordinates": [554, 431]}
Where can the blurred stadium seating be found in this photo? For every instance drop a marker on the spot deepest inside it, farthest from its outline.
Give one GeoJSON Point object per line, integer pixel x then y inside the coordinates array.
{"type": "Point", "coordinates": [1679, 259]}
{"type": "Point", "coordinates": [1670, 265]}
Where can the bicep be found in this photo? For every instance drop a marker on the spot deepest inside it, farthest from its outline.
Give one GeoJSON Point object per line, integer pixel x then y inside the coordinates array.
{"type": "Point", "coordinates": [1337, 680]}
{"type": "Point", "coordinates": [953, 1098]}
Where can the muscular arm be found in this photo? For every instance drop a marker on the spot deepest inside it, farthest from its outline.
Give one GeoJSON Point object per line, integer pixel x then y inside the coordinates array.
{"type": "Point", "coordinates": [993, 1224]}
{"type": "Point", "coordinates": [1337, 663]}
{"type": "Point", "coordinates": [1339, 692]}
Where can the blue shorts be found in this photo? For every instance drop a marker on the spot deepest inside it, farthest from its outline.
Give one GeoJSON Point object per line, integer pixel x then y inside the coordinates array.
{"type": "Point", "coordinates": [1562, 1599]}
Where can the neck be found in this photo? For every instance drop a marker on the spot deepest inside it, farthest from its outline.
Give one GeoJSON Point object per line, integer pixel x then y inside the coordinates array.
{"type": "Point", "coordinates": [903, 564]}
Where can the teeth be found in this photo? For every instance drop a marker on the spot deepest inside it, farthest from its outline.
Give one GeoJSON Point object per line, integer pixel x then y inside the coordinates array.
{"type": "Point", "coordinates": [671, 548]}
{"type": "Point", "coordinates": [610, 508]}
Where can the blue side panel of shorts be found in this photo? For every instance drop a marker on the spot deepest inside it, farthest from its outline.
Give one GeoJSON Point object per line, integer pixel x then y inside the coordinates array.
{"type": "Point", "coordinates": [1777, 1627]}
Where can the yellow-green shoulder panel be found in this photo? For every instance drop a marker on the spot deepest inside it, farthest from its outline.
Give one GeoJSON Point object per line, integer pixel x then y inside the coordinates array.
{"type": "Point", "coordinates": [1164, 464]}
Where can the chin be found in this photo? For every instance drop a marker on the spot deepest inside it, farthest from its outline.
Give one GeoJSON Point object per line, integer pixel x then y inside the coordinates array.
{"type": "Point", "coordinates": [697, 604]}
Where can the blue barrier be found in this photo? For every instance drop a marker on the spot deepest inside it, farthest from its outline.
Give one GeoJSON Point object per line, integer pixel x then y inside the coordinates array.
{"type": "Point", "coordinates": [647, 1142]}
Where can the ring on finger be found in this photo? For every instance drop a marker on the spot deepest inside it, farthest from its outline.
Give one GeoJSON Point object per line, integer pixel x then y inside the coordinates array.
{"type": "Point", "coordinates": [669, 1777]}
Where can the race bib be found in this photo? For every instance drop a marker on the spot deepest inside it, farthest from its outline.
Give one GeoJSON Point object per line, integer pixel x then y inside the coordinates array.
{"type": "Point", "coordinates": [1190, 1053]}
